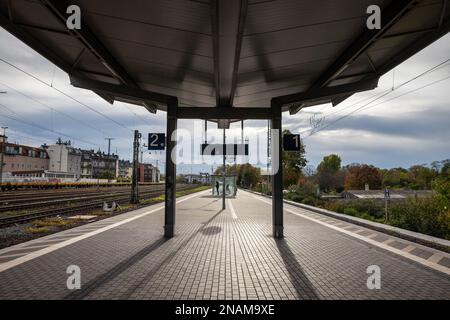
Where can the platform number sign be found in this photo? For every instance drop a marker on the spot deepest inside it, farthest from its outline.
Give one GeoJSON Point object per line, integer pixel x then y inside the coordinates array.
{"type": "Point", "coordinates": [291, 142]}
{"type": "Point", "coordinates": [156, 141]}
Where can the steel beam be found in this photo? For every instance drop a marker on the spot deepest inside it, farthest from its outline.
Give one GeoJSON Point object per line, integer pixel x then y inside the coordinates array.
{"type": "Point", "coordinates": [423, 42]}
{"type": "Point", "coordinates": [389, 15]}
{"type": "Point", "coordinates": [93, 44]}
{"type": "Point", "coordinates": [90, 41]}
{"type": "Point", "coordinates": [123, 91]}
{"type": "Point", "coordinates": [277, 170]}
{"type": "Point", "coordinates": [40, 48]}
{"type": "Point", "coordinates": [210, 113]}
{"type": "Point", "coordinates": [296, 107]}
{"type": "Point", "coordinates": [227, 20]}
{"type": "Point", "coordinates": [223, 123]}
{"type": "Point", "coordinates": [340, 99]}
{"type": "Point", "coordinates": [325, 93]}
{"type": "Point", "coordinates": [170, 194]}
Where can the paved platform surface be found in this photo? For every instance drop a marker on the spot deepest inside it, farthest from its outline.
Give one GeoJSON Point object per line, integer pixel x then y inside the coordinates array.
{"type": "Point", "coordinates": [222, 255]}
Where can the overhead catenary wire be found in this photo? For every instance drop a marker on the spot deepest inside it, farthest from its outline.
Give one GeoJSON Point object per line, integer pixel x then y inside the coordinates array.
{"type": "Point", "coordinates": [53, 109]}
{"type": "Point", "coordinates": [49, 130]}
{"type": "Point", "coordinates": [433, 69]}
{"type": "Point", "coordinates": [378, 96]}
{"type": "Point", "coordinates": [30, 123]}
{"type": "Point", "coordinates": [365, 107]}
{"type": "Point", "coordinates": [65, 94]}
{"type": "Point", "coordinates": [24, 136]}
{"type": "Point", "coordinates": [408, 92]}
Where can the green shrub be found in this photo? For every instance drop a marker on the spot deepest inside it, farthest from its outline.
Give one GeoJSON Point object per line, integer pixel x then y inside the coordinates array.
{"type": "Point", "coordinates": [332, 205]}
{"type": "Point", "coordinates": [373, 208]}
{"type": "Point", "coordinates": [309, 201]}
{"type": "Point", "coordinates": [297, 198]}
{"type": "Point", "coordinates": [366, 216]}
{"type": "Point", "coordinates": [425, 215]}
{"type": "Point", "coordinates": [351, 211]}
{"type": "Point", "coordinates": [306, 189]}
{"type": "Point", "coordinates": [442, 188]}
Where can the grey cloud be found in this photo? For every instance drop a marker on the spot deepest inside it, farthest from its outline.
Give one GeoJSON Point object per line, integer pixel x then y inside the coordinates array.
{"type": "Point", "coordinates": [430, 123]}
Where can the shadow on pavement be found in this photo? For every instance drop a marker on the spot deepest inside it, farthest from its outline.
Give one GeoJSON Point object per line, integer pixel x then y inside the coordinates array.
{"type": "Point", "coordinates": [305, 289]}
{"type": "Point", "coordinates": [89, 287]}
{"type": "Point", "coordinates": [121, 267]}
{"type": "Point", "coordinates": [167, 259]}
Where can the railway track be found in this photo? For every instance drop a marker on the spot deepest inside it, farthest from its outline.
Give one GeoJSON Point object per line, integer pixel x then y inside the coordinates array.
{"type": "Point", "coordinates": [45, 213]}
{"type": "Point", "coordinates": [35, 202]}
{"type": "Point", "coordinates": [9, 196]}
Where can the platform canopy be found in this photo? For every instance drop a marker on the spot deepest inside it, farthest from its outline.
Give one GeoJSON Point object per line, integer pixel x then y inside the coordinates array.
{"type": "Point", "coordinates": [227, 54]}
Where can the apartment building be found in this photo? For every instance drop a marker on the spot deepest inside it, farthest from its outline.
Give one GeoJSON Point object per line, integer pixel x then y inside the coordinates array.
{"type": "Point", "coordinates": [22, 159]}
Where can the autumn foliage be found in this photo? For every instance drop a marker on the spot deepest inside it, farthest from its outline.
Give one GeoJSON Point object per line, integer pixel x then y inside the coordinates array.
{"type": "Point", "coordinates": [358, 175]}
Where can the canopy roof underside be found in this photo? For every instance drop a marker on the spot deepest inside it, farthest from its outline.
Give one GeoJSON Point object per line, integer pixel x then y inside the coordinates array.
{"type": "Point", "coordinates": [220, 53]}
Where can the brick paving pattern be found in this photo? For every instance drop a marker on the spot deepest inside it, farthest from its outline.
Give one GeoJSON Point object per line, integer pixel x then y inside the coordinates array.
{"type": "Point", "coordinates": [214, 256]}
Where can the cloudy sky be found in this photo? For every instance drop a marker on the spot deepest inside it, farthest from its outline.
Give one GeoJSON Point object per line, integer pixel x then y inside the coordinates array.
{"type": "Point", "coordinates": [410, 125]}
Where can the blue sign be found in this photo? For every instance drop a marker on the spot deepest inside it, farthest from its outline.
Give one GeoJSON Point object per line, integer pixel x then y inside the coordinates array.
{"type": "Point", "coordinates": [291, 142]}
{"type": "Point", "coordinates": [156, 141]}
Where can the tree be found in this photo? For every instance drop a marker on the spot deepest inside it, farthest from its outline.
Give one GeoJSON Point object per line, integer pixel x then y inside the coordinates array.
{"type": "Point", "coordinates": [229, 170]}
{"type": "Point", "coordinates": [328, 175]}
{"type": "Point", "coordinates": [445, 170]}
{"type": "Point", "coordinates": [441, 166]}
{"type": "Point", "coordinates": [247, 175]}
{"type": "Point", "coordinates": [396, 178]}
{"type": "Point", "coordinates": [421, 177]}
{"type": "Point", "coordinates": [331, 162]}
{"type": "Point", "coordinates": [293, 163]}
{"type": "Point", "coordinates": [358, 175]}
{"type": "Point", "coordinates": [441, 185]}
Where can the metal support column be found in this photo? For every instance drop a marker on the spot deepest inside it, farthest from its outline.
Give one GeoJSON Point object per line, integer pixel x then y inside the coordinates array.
{"type": "Point", "coordinates": [277, 171]}
{"type": "Point", "coordinates": [223, 171]}
{"type": "Point", "coordinates": [170, 198]}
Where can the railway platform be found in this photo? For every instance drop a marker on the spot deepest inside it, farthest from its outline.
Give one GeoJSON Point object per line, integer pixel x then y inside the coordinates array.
{"type": "Point", "coordinates": [222, 254]}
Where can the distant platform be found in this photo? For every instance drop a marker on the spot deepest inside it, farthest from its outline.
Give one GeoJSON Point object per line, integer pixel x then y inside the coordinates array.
{"type": "Point", "coordinates": [217, 254]}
